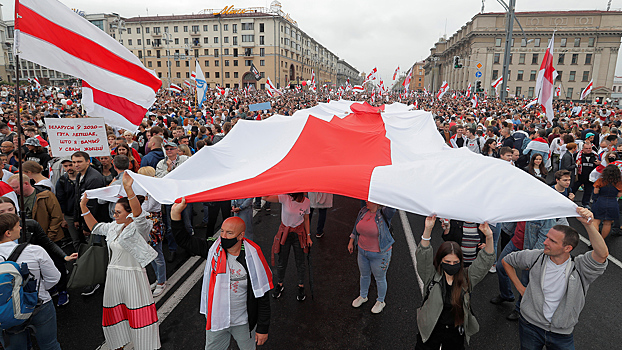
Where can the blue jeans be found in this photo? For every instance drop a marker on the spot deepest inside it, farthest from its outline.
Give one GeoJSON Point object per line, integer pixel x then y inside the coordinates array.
{"type": "Point", "coordinates": [376, 263]}
{"type": "Point", "coordinates": [186, 216]}
{"type": "Point", "coordinates": [44, 322]}
{"type": "Point", "coordinates": [505, 285]}
{"type": "Point", "coordinates": [158, 264]}
{"type": "Point", "coordinates": [321, 220]}
{"type": "Point", "coordinates": [496, 233]}
{"type": "Point", "coordinates": [205, 212]}
{"type": "Point", "coordinates": [535, 338]}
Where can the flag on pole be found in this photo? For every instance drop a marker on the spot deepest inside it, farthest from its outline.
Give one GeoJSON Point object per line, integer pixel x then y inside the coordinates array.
{"type": "Point", "coordinates": [201, 84]}
{"type": "Point", "coordinates": [444, 88]}
{"type": "Point", "coordinates": [36, 81]}
{"type": "Point", "coordinates": [119, 88]}
{"type": "Point", "coordinates": [406, 82]}
{"type": "Point", "coordinates": [193, 75]}
{"type": "Point", "coordinates": [497, 82]}
{"type": "Point", "coordinates": [371, 76]}
{"type": "Point", "coordinates": [396, 71]}
{"type": "Point", "coordinates": [531, 103]}
{"type": "Point", "coordinates": [546, 79]}
{"type": "Point", "coordinates": [468, 92]}
{"type": "Point", "coordinates": [358, 88]}
{"type": "Point", "coordinates": [558, 91]}
{"type": "Point", "coordinates": [475, 101]}
{"type": "Point", "coordinates": [381, 86]}
{"type": "Point", "coordinates": [175, 88]}
{"type": "Point", "coordinates": [188, 84]}
{"type": "Point", "coordinates": [587, 90]}
{"type": "Point", "coordinates": [270, 89]}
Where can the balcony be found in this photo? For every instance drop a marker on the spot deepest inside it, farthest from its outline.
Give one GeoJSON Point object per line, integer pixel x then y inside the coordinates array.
{"type": "Point", "coordinates": [156, 35]}
{"type": "Point", "coordinates": [196, 44]}
{"type": "Point", "coordinates": [247, 44]}
{"type": "Point", "coordinates": [195, 33]}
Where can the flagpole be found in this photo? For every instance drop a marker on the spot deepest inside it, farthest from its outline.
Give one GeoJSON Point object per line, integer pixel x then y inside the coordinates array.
{"type": "Point", "coordinates": [22, 207]}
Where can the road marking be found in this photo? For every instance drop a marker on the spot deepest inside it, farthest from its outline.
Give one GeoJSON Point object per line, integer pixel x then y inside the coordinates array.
{"type": "Point", "coordinates": [611, 258]}
{"type": "Point", "coordinates": [177, 276]}
{"type": "Point", "coordinates": [412, 245]}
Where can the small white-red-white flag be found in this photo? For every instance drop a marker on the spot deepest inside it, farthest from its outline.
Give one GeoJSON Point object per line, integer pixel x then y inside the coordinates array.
{"type": "Point", "coordinates": [396, 71]}
{"type": "Point", "coordinates": [358, 88]}
{"type": "Point", "coordinates": [36, 81]}
{"type": "Point", "coordinates": [558, 91]}
{"type": "Point", "coordinates": [468, 92]}
{"type": "Point", "coordinates": [545, 83]}
{"type": "Point", "coordinates": [406, 82]}
{"type": "Point", "coordinates": [497, 82]}
{"type": "Point", "coordinates": [475, 101]}
{"type": "Point", "coordinates": [193, 75]}
{"type": "Point", "coordinates": [531, 103]}
{"type": "Point", "coordinates": [175, 88]}
{"type": "Point", "coordinates": [272, 91]}
{"type": "Point", "coordinates": [587, 90]}
{"type": "Point", "coordinates": [444, 88]}
{"type": "Point", "coordinates": [371, 76]}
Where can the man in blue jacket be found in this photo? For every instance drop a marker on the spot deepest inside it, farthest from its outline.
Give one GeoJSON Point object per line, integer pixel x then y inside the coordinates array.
{"type": "Point", "coordinates": [155, 154]}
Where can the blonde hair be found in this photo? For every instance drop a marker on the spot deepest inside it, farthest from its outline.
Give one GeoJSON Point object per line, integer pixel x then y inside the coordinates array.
{"type": "Point", "coordinates": [185, 150]}
{"type": "Point", "coordinates": [26, 178]}
{"type": "Point", "coordinates": [147, 171]}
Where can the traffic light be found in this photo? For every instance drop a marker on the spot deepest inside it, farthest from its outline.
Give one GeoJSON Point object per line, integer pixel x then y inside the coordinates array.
{"type": "Point", "coordinates": [478, 86]}
{"type": "Point", "coordinates": [457, 62]}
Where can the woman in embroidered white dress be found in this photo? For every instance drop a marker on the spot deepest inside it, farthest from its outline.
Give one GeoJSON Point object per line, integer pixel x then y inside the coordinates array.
{"type": "Point", "coordinates": [129, 310]}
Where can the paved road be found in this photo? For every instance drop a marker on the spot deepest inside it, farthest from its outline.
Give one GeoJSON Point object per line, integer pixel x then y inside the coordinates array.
{"type": "Point", "coordinates": [328, 321]}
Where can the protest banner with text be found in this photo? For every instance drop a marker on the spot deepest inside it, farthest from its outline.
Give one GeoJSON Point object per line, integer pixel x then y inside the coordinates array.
{"type": "Point", "coordinates": [69, 135]}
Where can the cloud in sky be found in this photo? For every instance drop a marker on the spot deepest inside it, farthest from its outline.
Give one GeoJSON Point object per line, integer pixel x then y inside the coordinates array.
{"type": "Point", "coordinates": [365, 33]}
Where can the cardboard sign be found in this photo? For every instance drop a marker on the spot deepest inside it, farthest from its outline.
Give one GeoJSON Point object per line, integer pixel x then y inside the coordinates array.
{"type": "Point", "coordinates": [259, 106]}
{"type": "Point", "coordinates": [69, 135]}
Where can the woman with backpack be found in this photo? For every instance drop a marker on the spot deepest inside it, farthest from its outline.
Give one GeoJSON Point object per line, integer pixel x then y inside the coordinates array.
{"type": "Point", "coordinates": [46, 275]}
{"type": "Point", "coordinates": [372, 236]}
{"type": "Point", "coordinates": [129, 310]}
{"type": "Point", "coordinates": [445, 318]}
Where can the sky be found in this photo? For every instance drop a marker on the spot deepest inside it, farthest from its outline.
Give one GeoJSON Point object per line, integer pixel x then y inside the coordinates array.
{"type": "Point", "coordinates": [386, 34]}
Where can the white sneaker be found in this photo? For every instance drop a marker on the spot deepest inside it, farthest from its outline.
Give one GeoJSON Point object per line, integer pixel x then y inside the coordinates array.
{"type": "Point", "coordinates": [359, 301]}
{"type": "Point", "coordinates": [153, 285]}
{"type": "Point", "coordinates": [159, 289]}
{"type": "Point", "coordinates": [493, 269]}
{"type": "Point", "coordinates": [378, 307]}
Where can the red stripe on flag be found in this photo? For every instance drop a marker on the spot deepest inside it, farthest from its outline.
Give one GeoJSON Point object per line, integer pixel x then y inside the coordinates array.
{"type": "Point", "coordinates": [131, 111]}
{"type": "Point", "coordinates": [350, 167]}
{"type": "Point", "coordinates": [137, 318]}
{"type": "Point", "coordinates": [266, 267]}
{"type": "Point", "coordinates": [33, 24]}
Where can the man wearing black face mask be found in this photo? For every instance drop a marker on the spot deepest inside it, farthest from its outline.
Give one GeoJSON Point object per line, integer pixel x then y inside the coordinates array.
{"type": "Point", "coordinates": [235, 264]}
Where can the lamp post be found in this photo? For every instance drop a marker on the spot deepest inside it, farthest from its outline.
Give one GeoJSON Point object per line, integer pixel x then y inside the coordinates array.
{"type": "Point", "coordinates": [167, 40]}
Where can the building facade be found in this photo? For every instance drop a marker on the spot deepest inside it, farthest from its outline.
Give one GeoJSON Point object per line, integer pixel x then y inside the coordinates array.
{"type": "Point", "coordinates": [345, 71]}
{"type": "Point", "coordinates": [226, 43]}
{"type": "Point", "coordinates": [417, 82]}
{"type": "Point", "coordinates": [616, 93]}
{"type": "Point", "coordinates": [586, 47]}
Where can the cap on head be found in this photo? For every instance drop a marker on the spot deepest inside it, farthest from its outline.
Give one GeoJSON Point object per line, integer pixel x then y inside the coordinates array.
{"type": "Point", "coordinates": [33, 141]}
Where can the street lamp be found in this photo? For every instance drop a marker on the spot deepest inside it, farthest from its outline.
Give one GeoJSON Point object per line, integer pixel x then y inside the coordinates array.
{"type": "Point", "coordinates": [168, 37]}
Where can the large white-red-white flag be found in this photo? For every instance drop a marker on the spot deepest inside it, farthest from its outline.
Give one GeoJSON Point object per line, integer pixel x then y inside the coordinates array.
{"type": "Point", "coordinates": [545, 83]}
{"type": "Point", "coordinates": [117, 86]}
{"type": "Point", "coordinates": [407, 79]}
{"type": "Point", "coordinates": [400, 168]}
{"type": "Point", "coordinates": [396, 71]}
{"type": "Point", "coordinates": [444, 88]}
{"type": "Point", "coordinates": [587, 90]}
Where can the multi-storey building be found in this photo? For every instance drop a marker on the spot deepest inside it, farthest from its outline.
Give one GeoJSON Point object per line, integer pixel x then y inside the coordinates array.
{"type": "Point", "coordinates": [345, 71]}
{"type": "Point", "coordinates": [226, 43]}
{"type": "Point", "coordinates": [585, 47]}
{"type": "Point", "coordinates": [418, 77]}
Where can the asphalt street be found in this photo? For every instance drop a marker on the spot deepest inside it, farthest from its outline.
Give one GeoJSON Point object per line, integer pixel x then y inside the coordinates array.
{"type": "Point", "coordinates": [328, 321]}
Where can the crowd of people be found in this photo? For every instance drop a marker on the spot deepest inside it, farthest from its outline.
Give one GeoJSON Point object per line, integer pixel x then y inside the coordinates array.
{"type": "Point", "coordinates": [575, 153]}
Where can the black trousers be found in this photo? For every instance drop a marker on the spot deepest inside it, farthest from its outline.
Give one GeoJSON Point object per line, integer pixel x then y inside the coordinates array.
{"type": "Point", "coordinates": [448, 337]}
{"type": "Point", "coordinates": [224, 207]}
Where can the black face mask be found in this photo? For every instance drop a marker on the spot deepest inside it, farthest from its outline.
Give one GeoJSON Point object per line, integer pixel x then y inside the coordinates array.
{"type": "Point", "coordinates": [227, 243]}
{"type": "Point", "coordinates": [450, 269]}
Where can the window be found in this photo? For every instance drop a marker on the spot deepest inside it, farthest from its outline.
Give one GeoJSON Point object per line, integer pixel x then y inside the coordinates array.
{"type": "Point", "coordinates": [518, 91]}
{"type": "Point", "coordinates": [262, 52]}
{"type": "Point", "coordinates": [235, 63]}
{"type": "Point", "coordinates": [149, 53]}
{"type": "Point", "coordinates": [536, 42]}
{"type": "Point", "coordinates": [147, 30]}
{"type": "Point", "coordinates": [235, 40]}
{"type": "Point", "coordinates": [187, 63]}
{"type": "Point", "coordinates": [196, 53]}
{"type": "Point", "coordinates": [569, 92]}
{"type": "Point", "coordinates": [185, 29]}
{"type": "Point", "coordinates": [178, 74]}
{"type": "Point", "coordinates": [588, 58]}
{"type": "Point", "coordinates": [176, 41]}
{"type": "Point", "coordinates": [226, 63]}
{"type": "Point", "coordinates": [247, 26]}
{"type": "Point", "coordinates": [165, 30]}
{"type": "Point", "coordinates": [225, 27]}
{"type": "Point", "coordinates": [586, 75]}
{"type": "Point", "coordinates": [157, 53]}
{"type": "Point", "coordinates": [140, 54]}
{"type": "Point", "coordinates": [225, 40]}
{"type": "Point", "coordinates": [261, 40]}
{"type": "Point", "coordinates": [498, 42]}
{"type": "Point", "coordinates": [560, 59]}
{"type": "Point", "coordinates": [225, 52]}
{"type": "Point", "coordinates": [156, 30]}
{"type": "Point", "coordinates": [509, 75]}
{"type": "Point", "coordinates": [235, 52]}
{"type": "Point", "coordinates": [227, 75]}
{"type": "Point", "coordinates": [215, 52]}
{"type": "Point", "coordinates": [216, 63]}
{"type": "Point", "coordinates": [205, 27]}
{"type": "Point", "coordinates": [262, 62]}
{"type": "Point", "coordinates": [263, 75]}
{"type": "Point", "coordinates": [248, 51]}
{"type": "Point", "coordinates": [248, 38]}
{"type": "Point", "coordinates": [148, 41]}
{"type": "Point", "coordinates": [534, 58]}
{"type": "Point", "coordinates": [532, 76]}
{"type": "Point", "coordinates": [563, 42]}
{"type": "Point", "coordinates": [175, 29]}
{"type": "Point", "coordinates": [195, 29]}
{"type": "Point", "coordinates": [512, 42]}
{"type": "Point", "coordinates": [577, 42]}
{"type": "Point", "coordinates": [137, 30]}
{"type": "Point", "coordinates": [511, 58]}
{"type": "Point", "coordinates": [159, 64]}
{"type": "Point", "coordinates": [185, 40]}
{"type": "Point", "coordinates": [559, 75]}
{"type": "Point", "coordinates": [207, 75]}
{"type": "Point", "coordinates": [235, 75]}
{"type": "Point", "coordinates": [159, 74]}
{"type": "Point", "coordinates": [215, 40]}
{"type": "Point", "coordinates": [575, 58]}
{"type": "Point", "coordinates": [234, 28]}
{"type": "Point", "coordinates": [572, 75]}
{"type": "Point", "coordinates": [177, 64]}
{"type": "Point", "coordinates": [521, 58]}
{"type": "Point", "coordinates": [520, 75]}
{"type": "Point", "coordinates": [206, 63]}
{"type": "Point", "coordinates": [215, 27]}
{"type": "Point", "coordinates": [187, 75]}
{"type": "Point", "coordinates": [495, 74]}
{"type": "Point", "coordinates": [590, 42]}
{"type": "Point", "coordinates": [217, 75]}
{"type": "Point", "coordinates": [206, 40]}
{"type": "Point", "coordinates": [263, 86]}
{"type": "Point", "coordinates": [523, 42]}
{"type": "Point", "coordinates": [129, 42]}
{"type": "Point", "coordinates": [496, 58]}
{"type": "Point", "coordinates": [247, 63]}
{"type": "Point", "coordinates": [531, 91]}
